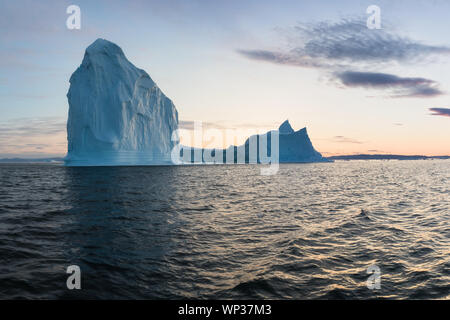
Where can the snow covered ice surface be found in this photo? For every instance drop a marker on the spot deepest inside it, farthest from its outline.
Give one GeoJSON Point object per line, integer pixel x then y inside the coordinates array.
{"type": "Point", "coordinates": [117, 114]}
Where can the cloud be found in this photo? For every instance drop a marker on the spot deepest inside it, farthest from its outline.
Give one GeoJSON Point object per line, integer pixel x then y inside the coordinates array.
{"type": "Point", "coordinates": [349, 45]}
{"type": "Point", "coordinates": [440, 112]}
{"type": "Point", "coordinates": [22, 127]}
{"type": "Point", "coordinates": [348, 42]}
{"type": "Point", "coordinates": [26, 136]}
{"type": "Point", "coordinates": [401, 86]}
{"type": "Point", "coordinates": [223, 125]}
{"type": "Point", "coordinates": [284, 58]}
{"type": "Point", "coordinates": [342, 139]}
{"type": "Point", "coordinates": [352, 40]}
{"type": "Point", "coordinates": [25, 96]}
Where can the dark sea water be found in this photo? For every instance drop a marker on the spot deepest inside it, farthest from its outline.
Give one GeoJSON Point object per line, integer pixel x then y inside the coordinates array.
{"type": "Point", "coordinates": [226, 231]}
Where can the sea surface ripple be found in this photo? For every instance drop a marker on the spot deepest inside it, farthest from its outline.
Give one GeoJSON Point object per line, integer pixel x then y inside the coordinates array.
{"type": "Point", "coordinates": [226, 232]}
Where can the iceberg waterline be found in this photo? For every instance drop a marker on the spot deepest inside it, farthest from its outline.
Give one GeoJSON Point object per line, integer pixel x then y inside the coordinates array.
{"type": "Point", "coordinates": [119, 116]}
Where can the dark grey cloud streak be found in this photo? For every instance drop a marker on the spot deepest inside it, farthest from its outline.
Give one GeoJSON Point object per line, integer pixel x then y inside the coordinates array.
{"type": "Point", "coordinates": [348, 45]}
{"type": "Point", "coordinates": [440, 112]}
{"type": "Point", "coordinates": [402, 87]}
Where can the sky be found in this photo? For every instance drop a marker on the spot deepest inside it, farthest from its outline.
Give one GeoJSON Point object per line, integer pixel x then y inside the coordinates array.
{"type": "Point", "coordinates": [242, 64]}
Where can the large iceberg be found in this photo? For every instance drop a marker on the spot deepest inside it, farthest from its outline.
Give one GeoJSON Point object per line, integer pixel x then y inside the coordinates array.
{"type": "Point", "coordinates": [117, 114]}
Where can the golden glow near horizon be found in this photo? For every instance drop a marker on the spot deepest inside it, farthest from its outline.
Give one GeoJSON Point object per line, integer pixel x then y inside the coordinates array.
{"type": "Point", "coordinates": [237, 67]}
{"type": "Point", "coordinates": [56, 144]}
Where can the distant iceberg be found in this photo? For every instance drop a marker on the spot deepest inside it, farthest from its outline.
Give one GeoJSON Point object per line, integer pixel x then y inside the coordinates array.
{"type": "Point", "coordinates": [293, 147]}
{"type": "Point", "coordinates": [117, 114]}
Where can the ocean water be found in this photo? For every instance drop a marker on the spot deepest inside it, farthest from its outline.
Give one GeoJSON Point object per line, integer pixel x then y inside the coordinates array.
{"type": "Point", "coordinates": [226, 231]}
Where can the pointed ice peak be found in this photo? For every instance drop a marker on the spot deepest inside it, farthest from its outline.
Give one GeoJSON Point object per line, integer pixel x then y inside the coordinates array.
{"type": "Point", "coordinates": [102, 50]}
{"type": "Point", "coordinates": [103, 46]}
{"type": "Point", "coordinates": [285, 128]}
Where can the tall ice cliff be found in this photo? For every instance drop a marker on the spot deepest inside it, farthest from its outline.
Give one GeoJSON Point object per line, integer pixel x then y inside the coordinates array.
{"type": "Point", "coordinates": [117, 114]}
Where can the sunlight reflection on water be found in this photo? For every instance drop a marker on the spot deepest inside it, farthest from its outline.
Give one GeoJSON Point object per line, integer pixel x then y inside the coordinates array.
{"type": "Point", "coordinates": [226, 231]}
